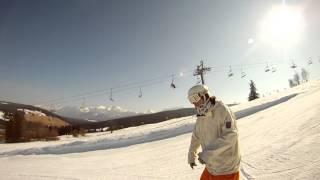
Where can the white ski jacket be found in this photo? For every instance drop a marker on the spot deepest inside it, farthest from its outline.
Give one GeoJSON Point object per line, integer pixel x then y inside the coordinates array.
{"type": "Point", "coordinates": [217, 134]}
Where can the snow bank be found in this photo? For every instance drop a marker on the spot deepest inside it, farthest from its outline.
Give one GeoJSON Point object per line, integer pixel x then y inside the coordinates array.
{"type": "Point", "coordinates": [2, 116]}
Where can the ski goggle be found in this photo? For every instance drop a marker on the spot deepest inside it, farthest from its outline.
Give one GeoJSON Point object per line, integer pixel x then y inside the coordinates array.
{"type": "Point", "coordinates": [194, 98]}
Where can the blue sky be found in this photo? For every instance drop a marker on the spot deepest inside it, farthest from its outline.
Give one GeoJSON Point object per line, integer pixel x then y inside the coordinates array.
{"type": "Point", "coordinates": [59, 49]}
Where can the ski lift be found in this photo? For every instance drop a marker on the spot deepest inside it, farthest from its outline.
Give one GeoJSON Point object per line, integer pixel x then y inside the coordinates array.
{"type": "Point", "coordinates": [111, 99]}
{"type": "Point", "coordinates": [293, 66]}
{"type": "Point", "coordinates": [230, 74]}
{"type": "Point", "coordinates": [172, 85]}
{"type": "Point", "coordinates": [267, 69]}
{"type": "Point", "coordinates": [310, 61]}
{"type": "Point", "coordinates": [198, 80]}
{"type": "Point", "coordinates": [140, 93]}
{"type": "Point", "coordinates": [273, 69]}
{"type": "Point", "coordinates": [243, 74]}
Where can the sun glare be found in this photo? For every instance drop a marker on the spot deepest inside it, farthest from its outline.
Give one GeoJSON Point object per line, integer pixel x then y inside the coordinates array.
{"type": "Point", "coordinates": [282, 26]}
{"type": "Point", "coordinates": [250, 41]}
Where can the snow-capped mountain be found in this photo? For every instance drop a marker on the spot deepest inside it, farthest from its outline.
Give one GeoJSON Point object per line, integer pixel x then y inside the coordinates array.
{"type": "Point", "coordinates": [98, 113]}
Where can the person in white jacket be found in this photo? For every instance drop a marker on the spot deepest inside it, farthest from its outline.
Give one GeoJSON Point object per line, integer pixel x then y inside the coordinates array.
{"type": "Point", "coordinates": [216, 131]}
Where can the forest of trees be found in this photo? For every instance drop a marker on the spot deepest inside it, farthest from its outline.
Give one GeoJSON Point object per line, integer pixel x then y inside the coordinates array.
{"type": "Point", "coordinates": [299, 78]}
{"type": "Point", "coordinates": [18, 129]}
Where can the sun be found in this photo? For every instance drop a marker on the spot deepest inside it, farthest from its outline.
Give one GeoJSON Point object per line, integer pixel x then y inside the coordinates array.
{"type": "Point", "coordinates": [283, 26]}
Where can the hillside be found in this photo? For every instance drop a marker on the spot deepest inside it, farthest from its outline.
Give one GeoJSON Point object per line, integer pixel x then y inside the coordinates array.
{"type": "Point", "coordinates": [92, 124]}
{"type": "Point", "coordinates": [278, 142]}
{"type": "Point", "coordinates": [11, 107]}
{"type": "Point", "coordinates": [141, 119]}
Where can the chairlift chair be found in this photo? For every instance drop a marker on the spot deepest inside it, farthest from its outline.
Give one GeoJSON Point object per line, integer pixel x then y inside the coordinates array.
{"type": "Point", "coordinates": [243, 74]}
{"type": "Point", "coordinates": [267, 69]}
{"type": "Point", "coordinates": [172, 85]}
{"type": "Point", "coordinates": [230, 74]}
{"type": "Point", "coordinates": [111, 99]}
{"type": "Point", "coordinates": [310, 61]}
{"type": "Point", "coordinates": [293, 66]}
{"type": "Point", "coordinates": [140, 93]}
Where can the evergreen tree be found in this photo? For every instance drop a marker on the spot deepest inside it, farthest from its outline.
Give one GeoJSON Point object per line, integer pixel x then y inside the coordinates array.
{"type": "Point", "coordinates": [14, 127]}
{"type": "Point", "coordinates": [291, 83]}
{"type": "Point", "coordinates": [253, 91]}
{"type": "Point", "coordinates": [304, 75]}
{"type": "Point", "coordinates": [296, 78]}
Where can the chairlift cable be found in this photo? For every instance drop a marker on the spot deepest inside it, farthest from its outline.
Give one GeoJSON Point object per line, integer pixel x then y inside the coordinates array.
{"type": "Point", "coordinates": [157, 80]}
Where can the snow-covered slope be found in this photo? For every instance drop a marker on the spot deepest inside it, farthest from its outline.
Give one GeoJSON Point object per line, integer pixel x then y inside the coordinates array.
{"type": "Point", "coordinates": [2, 118]}
{"type": "Point", "coordinates": [278, 141]}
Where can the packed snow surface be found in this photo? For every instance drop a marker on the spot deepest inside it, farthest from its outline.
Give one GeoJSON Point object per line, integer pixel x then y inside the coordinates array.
{"type": "Point", "coordinates": [279, 139]}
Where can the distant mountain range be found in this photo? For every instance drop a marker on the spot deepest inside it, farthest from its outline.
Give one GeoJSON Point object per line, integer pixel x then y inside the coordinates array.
{"type": "Point", "coordinates": [95, 114]}
{"type": "Point", "coordinates": [100, 116]}
{"type": "Point", "coordinates": [10, 107]}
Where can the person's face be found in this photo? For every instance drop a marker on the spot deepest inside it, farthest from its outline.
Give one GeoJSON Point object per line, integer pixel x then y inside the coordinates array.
{"type": "Point", "coordinates": [199, 103]}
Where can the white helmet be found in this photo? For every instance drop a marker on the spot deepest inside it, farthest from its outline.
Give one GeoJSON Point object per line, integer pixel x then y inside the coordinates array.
{"type": "Point", "coordinates": [196, 92]}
